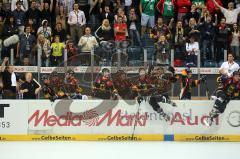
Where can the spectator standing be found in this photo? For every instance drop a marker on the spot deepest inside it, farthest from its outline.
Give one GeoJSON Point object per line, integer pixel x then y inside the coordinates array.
{"type": "Point", "coordinates": [22, 3]}
{"type": "Point", "coordinates": [60, 32]}
{"type": "Point", "coordinates": [230, 14]}
{"type": "Point", "coordinates": [106, 14]}
{"type": "Point", "coordinates": [235, 40]}
{"type": "Point", "coordinates": [120, 30]}
{"type": "Point", "coordinates": [77, 21]}
{"type": "Point", "coordinates": [19, 16]}
{"type": "Point", "coordinates": [104, 32]}
{"type": "Point", "coordinates": [133, 30]}
{"type": "Point", "coordinates": [183, 7]}
{"type": "Point", "coordinates": [192, 48]}
{"type": "Point", "coordinates": [45, 30]}
{"type": "Point", "coordinates": [34, 13]}
{"type": "Point", "coordinates": [44, 45]}
{"type": "Point", "coordinates": [162, 48]}
{"type": "Point", "coordinates": [167, 9]}
{"type": "Point", "coordinates": [147, 11]}
{"type": "Point", "coordinates": [26, 43]}
{"type": "Point", "coordinates": [57, 51]}
{"type": "Point", "coordinates": [87, 42]}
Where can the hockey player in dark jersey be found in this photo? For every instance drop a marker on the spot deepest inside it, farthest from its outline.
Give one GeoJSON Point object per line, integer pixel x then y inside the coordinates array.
{"type": "Point", "coordinates": [123, 85]}
{"type": "Point", "coordinates": [48, 92]}
{"type": "Point", "coordinates": [161, 83]}
{"type": "Point", "coordinates": [187, 83]}
{"type": "Point", "coordinates": [72, 88]}
{"type": "Point", "coordinates": [58, 85]}
{"type": "Point", "coordinates": [103, 86]}
{"type": "Point", "coordinates": [229, 86]}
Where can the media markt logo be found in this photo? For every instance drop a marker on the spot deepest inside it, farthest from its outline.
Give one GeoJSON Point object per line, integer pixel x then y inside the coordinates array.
{"type": "Point", "coordinates": [2, 108]}
{"type": "Point", "coordinates": [234, 118]}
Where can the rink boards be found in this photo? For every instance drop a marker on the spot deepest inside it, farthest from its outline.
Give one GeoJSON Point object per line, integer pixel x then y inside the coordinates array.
{"type": "Point", "coordinates": [114, 120]}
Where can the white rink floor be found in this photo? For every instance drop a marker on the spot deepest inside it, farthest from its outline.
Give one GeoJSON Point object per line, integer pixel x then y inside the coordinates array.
{"type": "Point", "coordinates": [118, 150]}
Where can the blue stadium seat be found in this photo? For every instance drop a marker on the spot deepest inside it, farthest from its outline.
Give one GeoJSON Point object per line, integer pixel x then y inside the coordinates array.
{"type": "Point", "coordinates": [210, 63]}
{"type": "Point", "coordinates": [134, 53]}
{"type": "Point", "coordinates": [150, 52]}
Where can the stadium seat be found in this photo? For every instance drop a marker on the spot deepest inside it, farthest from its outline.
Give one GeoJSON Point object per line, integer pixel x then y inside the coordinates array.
{"type": "Point", "coordinates": [210, 63]}
{"type": "Point", "coordinates": [150, 52]}
{"type": "Point", "coordinates": [134, 53]}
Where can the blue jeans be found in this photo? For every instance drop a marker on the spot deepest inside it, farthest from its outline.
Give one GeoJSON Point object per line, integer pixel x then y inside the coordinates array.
{"type": "Point", "coordinates": [235, 51]}
{"type": "Point", "coordinates": [135, 37]}
{"type": "Point", "coordinates": [207, 50]}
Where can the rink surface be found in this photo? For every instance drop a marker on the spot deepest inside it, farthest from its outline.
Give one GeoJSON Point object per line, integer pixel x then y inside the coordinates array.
{"type": "Point", "coordinates": [118, 150]}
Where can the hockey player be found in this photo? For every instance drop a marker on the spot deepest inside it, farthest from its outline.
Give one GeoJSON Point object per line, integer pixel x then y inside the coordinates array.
{"type": "Point", "coordinates": [224, 94]}
{"type": "Point", "coordinates": [57, 84]}
{"type": "Point", "coordinates": [73, 90]}
{"type": "Point", "coordinates": [103, 86]}
{"type": "Point", "coordinates": [47, 89]}
{"type": "Point", "coordinates": [161, 83]}
{"type": "Point", "coordinates": [123, 85]}
{"type": "Point", "coordinates": [187, 83]}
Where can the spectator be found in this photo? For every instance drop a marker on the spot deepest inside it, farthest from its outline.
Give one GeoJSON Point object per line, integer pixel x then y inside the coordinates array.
{"type": "Point", "coordinates": [104, 32]}
{"type": "Point", "coordinates": [160, 29]}
{"type": "Point", "coordinates": [147, 10]}
{"type": "Point", "coordinates": [120, 30]}
{"type": "Point", "coordinates": [107, 15]}
{"type": "Point", "coordinates": [212, 8]}
{"type": "Point", "coordinates": [183, 7]}
{"type": "Point", "coordinates": [235, 40]}
{"type": "Point", "coordinates": [30, 88]}
{"type": "Point", "coordinates": [221, 40]}
{"type": "Point", "coordinates": [94, 13]}
{"type": "Point", "coordinates": [44, 46]}
{"type": "Point", "coordinates": [127, 6]}
{"type": "Point", "coordinates": [46, 13]}
{"type": "Point", "coordinates": [230, 14]}
{"type": "Point", "coordinates": [60, 32]}
{"type": "Point", "coordinates": [19, 16]}
{"type": "Point", "coordinates": [26, 62]}
{"type": "Point", "coordinates": [67, 5]}
{"type": "Point", "coordinates": [57, 51]}
{"type": "Point", "coordinates": [77, 21]}
{"type": "Point", "coordinates": [34, 13]}
{"type": "Point", "coordinates": [45, 30]}
{"type": "Point", "coordinates": [32, 26]}
{"type": "Point", "coordinates": [162, 50]}
{"type": "Point", "coordinates": [192, 48]}
{"type": "Point", "coordinates": [87, 42]}
{"type": "Point", "coordinates": [227, 68]}
{"type": "Point", "coordinates": [61, 17]}
{"type": "Point", "coordinates": [3, 12]}
{"type": "Point", "coordinates": [179, 41]}
{"type": "Point", "coordinates": [23, 5]}
{"type": "Point", "coordinates": [1, 36]}
{"type": "Point", "coordinates": [25, 45]}
{"type": "Point", "coordinates": [84, 6]}
{"type": "Point", "coordinates": [122, 14]}
{"type": "Point", "coordinates": [10, 29]}
{"type": "Point", "coordinates": [207, 29]}
{"type": "Point", "coordinates": [117, 4]}
{"type": "Point", "coordinates": [192, 14]}
{"type": "Point", "coordinates": [192, 29]}
{"type": "Point", "coordinates": [167, 9]}
{"type": "Point", "coordinates": [71, 52]}
{"type": "Point", "coordinates": [9, 80]}
{"type": "Point", "coordinates": [134, 34]}
{"type": "Point", "coordinates": [105, 3]}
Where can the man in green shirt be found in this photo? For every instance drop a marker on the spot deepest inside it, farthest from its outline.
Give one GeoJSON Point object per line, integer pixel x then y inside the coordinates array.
{"type": "Point", "coordinates": [147, 10]}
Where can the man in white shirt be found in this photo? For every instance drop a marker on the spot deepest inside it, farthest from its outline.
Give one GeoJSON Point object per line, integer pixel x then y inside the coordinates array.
{"type": "Point", "coordinates": [228, 67]}
{"type": "Point", "coordinates": [230, 14]}
{"type": "Point", "coordinates": [77, 21]}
